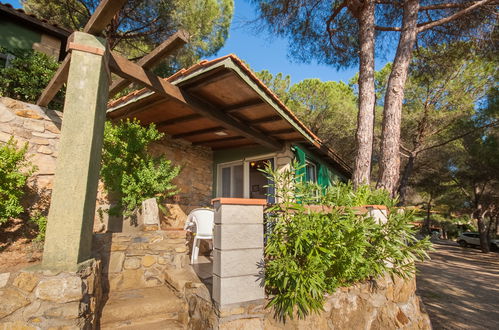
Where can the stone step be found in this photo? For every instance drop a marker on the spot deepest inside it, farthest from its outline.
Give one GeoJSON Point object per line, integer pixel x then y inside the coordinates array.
{"type": "Point", "coordinates": [153, 324]}
{"type": "Point", "coordinates": [142, 305]}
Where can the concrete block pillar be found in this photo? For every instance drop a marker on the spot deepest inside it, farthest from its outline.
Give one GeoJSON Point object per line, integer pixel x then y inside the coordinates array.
{"type": "Point", "coordinates": [69, 229]}
{"type": "Point", "coordinates": [238, 251]}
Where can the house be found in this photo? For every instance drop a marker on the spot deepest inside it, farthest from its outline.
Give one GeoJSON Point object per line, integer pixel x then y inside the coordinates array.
{"type": "Point", "coordinates": [234, 126]}
{"type": "Point", "coordinates": [19, 30]}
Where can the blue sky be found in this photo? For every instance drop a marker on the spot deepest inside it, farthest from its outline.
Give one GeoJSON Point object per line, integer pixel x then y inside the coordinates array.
{"type": "Point", "coordinates": [263, 51]}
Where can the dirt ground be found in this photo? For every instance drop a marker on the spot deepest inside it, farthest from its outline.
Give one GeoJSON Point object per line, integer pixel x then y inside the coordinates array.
{"type": "Point", "coordinates": [18, 248]}
{"type": "Point", "coordinates": [460, 288]}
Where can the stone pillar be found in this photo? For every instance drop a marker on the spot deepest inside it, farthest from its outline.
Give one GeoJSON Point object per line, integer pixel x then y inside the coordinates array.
{"type": "Point", "coordinates": [238, 251]}
{"type": "Point", "coordinates": [69, 229]}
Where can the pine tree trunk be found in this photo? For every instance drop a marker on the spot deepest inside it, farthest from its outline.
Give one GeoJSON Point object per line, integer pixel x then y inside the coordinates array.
{"type": "Point", "coordinates": [404, 181]}
{"type": "Point", "coordinates": [365, 119]}
{"type": "Point", "coordinates": [392, 112]}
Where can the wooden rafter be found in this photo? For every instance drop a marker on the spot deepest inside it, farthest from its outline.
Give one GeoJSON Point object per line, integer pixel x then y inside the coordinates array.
{"type": "Point", "coordinates": [106, 10]}
{"type": "Point", "coordinates": [178, 120]}
{"type": "Point", "coordinates": [265, 120]}
{"type": "Point", "coordinates": [198, 132]}
{"type": "Point", "coordinates": [283, 131]}
{"type": "Point", "coordinates": [170, 45]}
{"type": "Point", "coordinates": [243, 106]}
{"type": "Point", "coordinates": [228, 139]}
{"type": "Point", "coordinates": [129, 70]}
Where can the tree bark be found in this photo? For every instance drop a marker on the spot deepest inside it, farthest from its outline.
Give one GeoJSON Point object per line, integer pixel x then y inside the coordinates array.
{"type": "Point", "coordinates": [404, 181]}
{"type": "Point", "coordinates": [365, 119]}
{"type": "Point", "coordinates": [392, 112]}
{"type": "Point", "coordinates": [427, 221]}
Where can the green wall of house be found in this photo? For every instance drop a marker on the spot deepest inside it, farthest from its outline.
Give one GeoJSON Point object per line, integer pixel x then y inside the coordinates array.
{"type": "Point", "coordinates": [326, 174]}
{"type": "Point", "coordinates": [15, 36]}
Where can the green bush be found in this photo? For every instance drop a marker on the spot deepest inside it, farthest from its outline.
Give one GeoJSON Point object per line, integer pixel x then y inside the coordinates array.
{"type": "Point", "coordinates": [309, 254]}
{"type": "Point", "coordinates": [27, 75]}
{"type": "Point", "coordinates": [15, 170]}
{"type": "Point", "coordinates": [41, 222]}
{"type": "Point", "coordinates": [129, 170]}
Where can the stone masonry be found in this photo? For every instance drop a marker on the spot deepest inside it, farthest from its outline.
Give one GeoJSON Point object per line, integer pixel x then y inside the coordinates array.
{"type": "Point", "coordinates": [40, 128]}
{"type": "Point", "coordinates": [141, 260]}
{"type": "Point", "coordinates": [387, 303]}
{"type": "Point", "coordinates": [43, 299]}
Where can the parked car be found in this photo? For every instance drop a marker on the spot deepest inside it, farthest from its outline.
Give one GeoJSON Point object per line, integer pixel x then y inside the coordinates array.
{"type": "Point", "coordinates": [473, 239]}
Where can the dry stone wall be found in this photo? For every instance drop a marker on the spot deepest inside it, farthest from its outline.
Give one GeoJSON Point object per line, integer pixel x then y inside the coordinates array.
{"type": "Point", "coordinates": [144, 259]}
{"type": "Point", "coordinates": [387, 303]}
{"type": "Point", "coordinates": [40, 128]}
{"type": "Point", "coordinates": [43, 299]}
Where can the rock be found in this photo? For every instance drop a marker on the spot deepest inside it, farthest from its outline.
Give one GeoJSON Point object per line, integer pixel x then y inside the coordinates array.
{"type": "Point", "coordinates": [45, 164]}
{"type": "Point", "coordinates": [34, 126]}
{"type": "Point", "coordinates": [60, 289]}
{"type": "Point", "coordinates": [148, 260]}
{"type": "Point", "coordinates": [4, 278]}
{"type": "Point", "coordinates": [11, 300]}
{"type": "Point", "coordinates": [52, 128]}
{"type": "Point", "coordinates": [26, 281]}
{"type": "Point", "coordinates": [16, 325]}
{"type": "Point", "coordinates": [45, 150]}
{"type": "Point", "coordinates": [39, 141]}
{"type": "Point", "coordinates": [243, 324]}
{"type": "Point", "coordinates": [150, 212]}
{"type": "Point", "coordinates": [65, 311]}
{"type": "Point", "coordinates": [402, 318]}
{"type": "Point", "coordinates": [27, 113]}
{"type": "Point", "coordinates": [4, 137]}
{"type": "Point", "coordinates": [5, 114]}
{"type": "Point", "coordinates": [45, 135]}
{"type": "Point", "coordinates": [181, 249]}
{"type": "Point", "coordinates": [116, 262]}
{"type": "Point", "coordinates": [132, 263]}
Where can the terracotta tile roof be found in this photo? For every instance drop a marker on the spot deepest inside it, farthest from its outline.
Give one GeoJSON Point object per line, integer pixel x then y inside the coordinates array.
{"type": "Point", "coordinates": [204, 64]}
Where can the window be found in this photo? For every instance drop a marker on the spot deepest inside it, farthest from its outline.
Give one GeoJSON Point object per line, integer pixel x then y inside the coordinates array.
{"type": "Point", "coordinates": [310, 172]}
{"type": "Point", "coordinates": [231, 181]}
{"type": "Point", "coordinates": [5, 59]}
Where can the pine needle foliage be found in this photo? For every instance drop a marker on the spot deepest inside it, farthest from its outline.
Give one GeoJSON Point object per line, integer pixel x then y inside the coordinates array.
{"type": "Point", "coordinates": [130, 171]}
{"type": "Point", "coordinates": [310, 254]}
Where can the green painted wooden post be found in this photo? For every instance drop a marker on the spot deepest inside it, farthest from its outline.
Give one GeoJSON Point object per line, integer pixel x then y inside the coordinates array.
{"type": "Point", "coordinates": [69, 230]}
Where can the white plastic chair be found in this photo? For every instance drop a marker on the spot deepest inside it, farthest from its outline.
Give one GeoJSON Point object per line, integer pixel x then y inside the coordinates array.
{"type": "Point", "coordinates": [203, 219]}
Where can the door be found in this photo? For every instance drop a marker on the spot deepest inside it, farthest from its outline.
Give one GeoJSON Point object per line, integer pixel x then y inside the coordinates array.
{"type": "Point", "coordinates": [231, 181]}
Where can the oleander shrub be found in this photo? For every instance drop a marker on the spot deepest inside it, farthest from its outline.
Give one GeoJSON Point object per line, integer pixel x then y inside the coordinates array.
{"type": "Point", "coordinates": [130, 171]}
{"type": "Point", "coordinates": [310, 254]}
{"type": "Point", "coordinates": [15, 170]}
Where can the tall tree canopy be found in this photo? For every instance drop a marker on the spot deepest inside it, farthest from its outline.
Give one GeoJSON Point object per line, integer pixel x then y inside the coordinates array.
{"type": "Point", "coordinates": [143, 24]}
{"type": "Point", "coordinates": [342, 33]}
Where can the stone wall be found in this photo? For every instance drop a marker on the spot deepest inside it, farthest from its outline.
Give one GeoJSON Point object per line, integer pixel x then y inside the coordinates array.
{"type": "Point", "coordinates": [194, 182]}
{"type": "Point", "coordinates": [384, 304]}
{"type": "Point", "coordinates": [41, 129]}
{"type": "Point", "coordinates": [144, 259]}
{"type": "Point", "coordinates": [43, 299]}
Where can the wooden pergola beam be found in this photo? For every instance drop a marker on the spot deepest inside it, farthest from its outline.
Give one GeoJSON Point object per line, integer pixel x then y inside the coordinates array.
{"type": "Point", "coordinates": [243, 106]}
{"type": "Point", "coordinates": [228, 139]}
{"type": "Point", "coordinates": [106, 10]}
{"type": "Point", "coordinates": [179, 120]}
{"type": "Point", "coordinates": [265, 120]}
{"type": "Point", "coordinates": [129, 70]}
{"type": "Point", "coordinates": [283, 131]}
{"type": "Point", "coordinates": [170, 45]}
{"type": "Point", "coordinates": [198, 132]}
